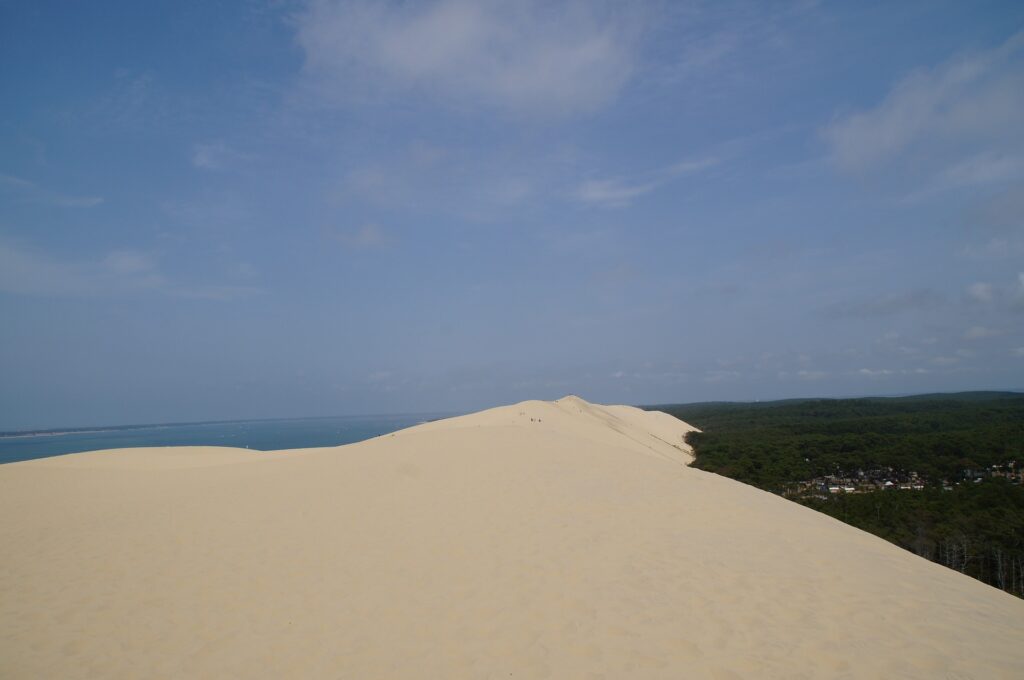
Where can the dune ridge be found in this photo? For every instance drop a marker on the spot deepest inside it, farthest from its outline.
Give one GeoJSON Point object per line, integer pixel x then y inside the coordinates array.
{"type": "Point", "coordinates": [542, 539]}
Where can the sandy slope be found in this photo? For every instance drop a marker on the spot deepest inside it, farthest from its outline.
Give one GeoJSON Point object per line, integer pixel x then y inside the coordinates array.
{"type": "Point", "coordinates": [544, 539]}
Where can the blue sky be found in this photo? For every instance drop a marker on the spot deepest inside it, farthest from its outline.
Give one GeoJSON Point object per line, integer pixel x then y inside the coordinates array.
{"type": "Point", "coordinates": [268, 209]}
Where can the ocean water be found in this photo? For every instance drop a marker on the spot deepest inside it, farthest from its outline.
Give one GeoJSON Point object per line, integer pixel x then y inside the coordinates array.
{"type": "Point", "coordinates": [263, 435]}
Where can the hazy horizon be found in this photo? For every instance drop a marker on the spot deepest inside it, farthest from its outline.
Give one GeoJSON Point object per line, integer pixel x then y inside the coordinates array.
{"type": "Point", "coordinates": [288, 208]}
{"type": "Point", "coordinates": [447, 414]}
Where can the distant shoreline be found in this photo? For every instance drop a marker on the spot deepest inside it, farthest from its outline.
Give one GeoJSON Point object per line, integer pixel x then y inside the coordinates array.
{"type": "Point", "coordinates": [57, 432]}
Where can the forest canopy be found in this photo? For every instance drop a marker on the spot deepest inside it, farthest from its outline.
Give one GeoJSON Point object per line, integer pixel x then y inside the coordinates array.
{"type": "Point", "coordinates": [965, 451]}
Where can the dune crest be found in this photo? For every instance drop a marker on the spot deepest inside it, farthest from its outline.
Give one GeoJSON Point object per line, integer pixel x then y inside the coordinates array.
{"type": "Point", "coordinates": [648, 432]}
{"type": "Point", "coordinates": [542, 539]}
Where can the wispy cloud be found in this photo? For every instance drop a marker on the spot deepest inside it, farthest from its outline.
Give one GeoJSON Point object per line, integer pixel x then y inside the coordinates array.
{"type": "Point", "coordinates": [985, 168]}
{"type": "Point", "coordinates": [875, 372]}
{"type": "Point", "coordinates": [885, 373]}
{"type": "Point", "coordinates": [24, 271]}
{"type": "Point", "coordinates": [980, 333]}
{"type": "Point", "coordinates": [464, 182]}
{"type": "Point", "coordinates": [519, 57]}
{"type": "Point", "coordinates": [971, 102]}
{"type": "Point", "coordinates": [885, 304]}
{"type": "Point", "coordinates": [611, 193]}
{"type": "Point", "coordinates": [1002, 212]}
{"type": "Point", "coordinates": [216, 156]}
{"type": "Point", "coordinates": [689, 166]}
{"type": "Point", "coordinates": [711, 45]}
{"type": "Point", "coordinates": [1017, 294]}
{"type": "Point", "coordinates": [618, 193]}
{"type": "Point", "coordinates": [981, 292]}
{"type": "Point", "coordinates": [1002, 295]}
{"type": "Point", "coordinates": [366, 237]}
{"type": "Point", "coordinates": [700, 55]}
{"type": "Point", "coordinates": [29, 272]}
{"type": "Point", "coordinates": [30, 191]}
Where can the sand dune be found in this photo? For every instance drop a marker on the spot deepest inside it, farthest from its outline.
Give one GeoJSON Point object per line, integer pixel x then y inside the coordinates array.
{"type": "Point", "coordinates": [545, 539]}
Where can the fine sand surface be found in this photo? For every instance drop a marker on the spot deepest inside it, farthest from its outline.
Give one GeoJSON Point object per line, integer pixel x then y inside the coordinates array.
{"type": "Point", "coordinates": [545, 539]}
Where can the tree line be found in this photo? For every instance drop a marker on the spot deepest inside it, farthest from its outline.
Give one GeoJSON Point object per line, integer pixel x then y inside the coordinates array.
{"type": "Point", "coordinates": [965, 518]}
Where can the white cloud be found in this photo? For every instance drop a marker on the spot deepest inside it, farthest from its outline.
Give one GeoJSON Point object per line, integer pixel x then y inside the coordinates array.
{"type": "Point", "coordinates": [611, 193]}
{"type": "Point", "coordinates": [1000, 296]}
{"type": "Point", "coordinates": [515, 56]}
{"type": "Point", "coordinates": [215, 156]}
{"type": "Point", "coordinates": [980, 333]}
{"type": "Point", "coordinates": [30, 191]}
{"type": "Point", "coordinates": [971, 102]}
{"type": "Point", "coordinates": [982, 292]}
{"type": "Point", "coordinates": [886, 372]}
{"type": "Point", "coordinates": [691, 165]}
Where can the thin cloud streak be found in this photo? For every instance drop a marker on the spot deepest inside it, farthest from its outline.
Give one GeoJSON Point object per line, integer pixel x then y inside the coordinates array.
{"type": "Point", "coordinates": [118, 273]}
{"type": "Point", "coordinates": [884, 305]}
{"type": "Point", "coordinates": [619, 193]}
{"type": "Point", "coordinates": [31, 191]}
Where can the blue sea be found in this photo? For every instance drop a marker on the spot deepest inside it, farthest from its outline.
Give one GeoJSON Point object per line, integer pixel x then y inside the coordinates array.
{"type": "Point", "coordinates": [263, 435]}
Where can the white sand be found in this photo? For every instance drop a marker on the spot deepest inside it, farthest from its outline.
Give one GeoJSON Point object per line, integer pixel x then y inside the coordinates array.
{"type": "Point", "coordinates": [544, 539]}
